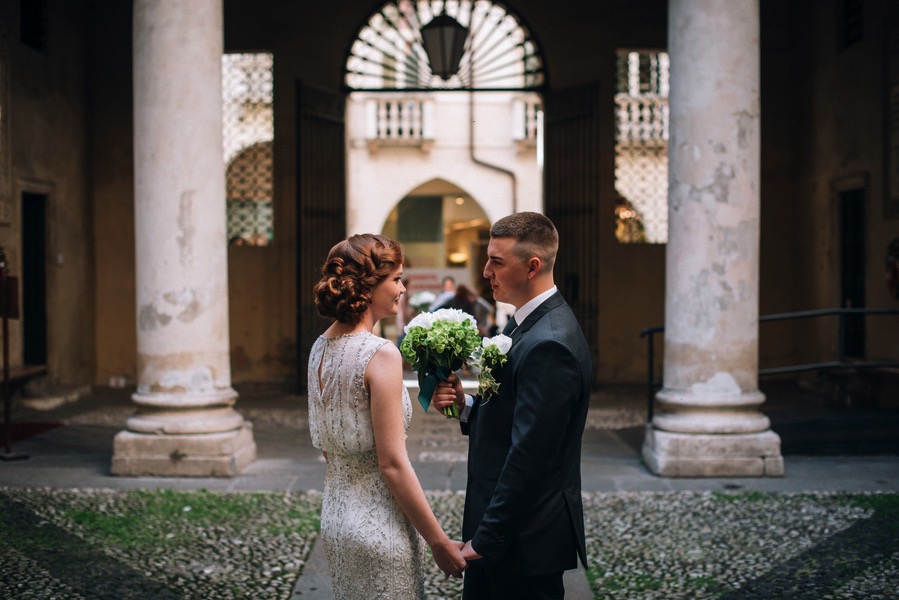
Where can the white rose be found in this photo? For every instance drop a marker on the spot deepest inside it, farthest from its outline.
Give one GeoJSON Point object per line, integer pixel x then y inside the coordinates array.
{"type": "Point", "coordinates": [424, 320]}
{"type": "Point", "coordinates": [454, 315]}
{"type": "Point", "coordinates": [502, 342]}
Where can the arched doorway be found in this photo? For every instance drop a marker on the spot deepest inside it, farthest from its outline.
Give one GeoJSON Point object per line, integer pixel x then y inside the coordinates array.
{"type": "Point", "coordinates": [440, 226]}
{"type": "Point", "coordinates": [444, 232]}
{"type": "Point", "coordinates": [388, 122]}
{"type": "Point", "coordinates": [406, 122]}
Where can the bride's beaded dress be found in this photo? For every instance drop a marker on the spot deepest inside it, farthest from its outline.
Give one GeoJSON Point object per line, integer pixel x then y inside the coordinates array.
{"type": "Point", "coordinates": [373, 550]}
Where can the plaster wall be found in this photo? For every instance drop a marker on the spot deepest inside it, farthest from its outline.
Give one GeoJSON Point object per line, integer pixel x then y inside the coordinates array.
{"type": "Point", "coordinates": [778, 236]}
{"type": "Point", "coordinates": [112, 175]}
{"type": "Point", "coordinates": [842, 133]}
{"type": "Point", "coordinates": [48, 137]}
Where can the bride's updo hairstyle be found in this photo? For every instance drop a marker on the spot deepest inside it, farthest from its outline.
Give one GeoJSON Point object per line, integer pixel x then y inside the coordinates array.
{"type": "Point", "coordinates": [354, 266]}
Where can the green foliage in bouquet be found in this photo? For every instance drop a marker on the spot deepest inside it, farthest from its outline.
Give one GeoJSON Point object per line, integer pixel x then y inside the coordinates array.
{"type": "Point", "coordinates": [437, 344]}
{"type": "Point", "coordinates": [492, 354]}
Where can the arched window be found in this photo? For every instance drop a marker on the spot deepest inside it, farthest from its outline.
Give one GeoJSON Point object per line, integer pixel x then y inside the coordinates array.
{"type": "Point", "coordinates": [498, 52]}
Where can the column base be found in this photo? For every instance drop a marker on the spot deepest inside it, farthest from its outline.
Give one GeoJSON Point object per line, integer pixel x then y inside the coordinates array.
{"type": "Point", "coordinates": [670, 454]}
{"type": "Point", "coordinates": [222, 454]}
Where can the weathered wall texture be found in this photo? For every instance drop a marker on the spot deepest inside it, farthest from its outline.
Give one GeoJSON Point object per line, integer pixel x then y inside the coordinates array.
{"type": "Point", "coordinates": [48, 133]}
{"type": "Point", "coordinates": [841, 127]}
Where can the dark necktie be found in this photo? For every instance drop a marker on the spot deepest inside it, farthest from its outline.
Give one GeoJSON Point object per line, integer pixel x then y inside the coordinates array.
{"type": "Point", "coordinates": [511, 324]}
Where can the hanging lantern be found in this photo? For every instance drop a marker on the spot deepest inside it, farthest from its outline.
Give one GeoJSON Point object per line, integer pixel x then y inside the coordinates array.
{"type": "Point", "coordinates": [444, 42]}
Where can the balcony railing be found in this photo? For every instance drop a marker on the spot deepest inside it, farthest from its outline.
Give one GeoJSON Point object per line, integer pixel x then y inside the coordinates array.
{"type": "Point", "coordinates": [642, 119]}
{"type": "Point", "coordinates": [399, 122]}
{"type": "Point", "coordinates": [526, 117]}
{"type": "Point", "coordinates": [409, 121]}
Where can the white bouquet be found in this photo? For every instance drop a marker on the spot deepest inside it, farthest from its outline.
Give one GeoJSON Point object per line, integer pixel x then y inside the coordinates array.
{"type": "Point", "coordinates": [436, 345]}
{"type": "Point", "coordinates": [491, 355]}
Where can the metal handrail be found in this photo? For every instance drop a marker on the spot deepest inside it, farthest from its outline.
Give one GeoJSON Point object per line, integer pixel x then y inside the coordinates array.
{"type": "Point", "coordinates": [843, 362]}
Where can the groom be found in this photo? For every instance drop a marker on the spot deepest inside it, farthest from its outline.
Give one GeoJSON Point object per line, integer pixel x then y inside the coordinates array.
{"type": "Point", "coordinates": [524, 521]}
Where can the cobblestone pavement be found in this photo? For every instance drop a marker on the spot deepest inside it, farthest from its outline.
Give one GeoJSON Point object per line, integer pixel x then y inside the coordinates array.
{"type": "Point", "coordinates": [824, 530]}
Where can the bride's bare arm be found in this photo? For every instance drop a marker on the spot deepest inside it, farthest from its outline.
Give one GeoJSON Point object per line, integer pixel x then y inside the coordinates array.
{"type": "Point", "coordinates": [384, 378]}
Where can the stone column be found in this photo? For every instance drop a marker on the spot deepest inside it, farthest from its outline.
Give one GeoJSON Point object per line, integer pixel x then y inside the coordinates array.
{"type": "Point", "coordinates": [707, 420]}
{"type": "Point", "coordinates": [185, 424]}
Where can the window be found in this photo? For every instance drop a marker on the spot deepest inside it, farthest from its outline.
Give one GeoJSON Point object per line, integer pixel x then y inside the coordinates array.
{"type": "Point", "coordinates": [641, 147]}
{"type": "Point", "coordinates": [248, 131]}
{"type": "Point", "coordinates": [499, 52]}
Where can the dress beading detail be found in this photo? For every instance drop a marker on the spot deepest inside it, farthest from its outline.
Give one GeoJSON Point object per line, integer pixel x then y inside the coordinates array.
{"type": "Point", "coordinates": [373, 551]}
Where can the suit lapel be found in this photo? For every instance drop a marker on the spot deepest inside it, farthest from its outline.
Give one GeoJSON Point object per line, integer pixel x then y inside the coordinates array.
{"type": "Point", "coordinates": [550, 303]}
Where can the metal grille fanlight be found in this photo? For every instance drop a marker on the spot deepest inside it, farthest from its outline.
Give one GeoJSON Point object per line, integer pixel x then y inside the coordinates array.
{"type": "Point", "coordinates": [499, 52]}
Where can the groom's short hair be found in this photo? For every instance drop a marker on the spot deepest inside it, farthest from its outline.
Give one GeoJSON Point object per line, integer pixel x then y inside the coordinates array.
{"type": "Point", "coordinates": [534, 233]}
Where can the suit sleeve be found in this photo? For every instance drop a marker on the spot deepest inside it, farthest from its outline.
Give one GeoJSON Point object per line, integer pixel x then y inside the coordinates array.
{"type": "Point", "coordinates": [464, 425]}
{"type": "Point", "coordinates": [545, 405]}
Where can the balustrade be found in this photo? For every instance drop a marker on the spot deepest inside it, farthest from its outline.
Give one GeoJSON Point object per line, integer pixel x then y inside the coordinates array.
{"type": "Point", "coordinates": [642, 119]}
{"type": "Point", "coordinates": [399, 120]}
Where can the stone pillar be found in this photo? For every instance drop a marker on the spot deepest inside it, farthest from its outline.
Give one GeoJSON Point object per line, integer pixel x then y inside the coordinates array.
{"type": "Point", "coordinates": [707, 420]}
{"type": "Point", "coordinates": [185, 424]}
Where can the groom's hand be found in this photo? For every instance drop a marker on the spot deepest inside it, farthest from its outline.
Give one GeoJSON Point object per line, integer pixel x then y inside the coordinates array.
{"type": "Point", "coordinates": [469, 553]}
{"type": "Point", "coordinates": [448, 392]}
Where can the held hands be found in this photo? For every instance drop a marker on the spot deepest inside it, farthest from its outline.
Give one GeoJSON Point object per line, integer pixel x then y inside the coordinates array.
{"type": "Point", "coordinates": [448, 557]}
{"type": "Point", "coordinates": [453, 557]}
{"type": "Point", "coordinates": [448, 392]}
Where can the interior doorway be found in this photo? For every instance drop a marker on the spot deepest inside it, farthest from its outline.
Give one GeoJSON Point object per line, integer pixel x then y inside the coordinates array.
{"type": "Point", "coordinates": [33, 278]}
{"type": "Point", "coordinates": [440, 225]}
{"type": "Point", "coordinates": [444, 233]}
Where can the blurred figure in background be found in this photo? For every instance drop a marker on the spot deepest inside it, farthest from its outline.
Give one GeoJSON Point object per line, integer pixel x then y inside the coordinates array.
{"type": "Point", "coordinates": [449, 291]}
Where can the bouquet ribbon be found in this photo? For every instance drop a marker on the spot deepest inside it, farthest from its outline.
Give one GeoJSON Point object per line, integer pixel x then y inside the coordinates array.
{"type": "Point", "coordinates": [427, 381]}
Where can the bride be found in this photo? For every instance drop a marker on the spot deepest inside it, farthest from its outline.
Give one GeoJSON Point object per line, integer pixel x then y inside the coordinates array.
{"type": "Point", "coordinates": [375, 516]}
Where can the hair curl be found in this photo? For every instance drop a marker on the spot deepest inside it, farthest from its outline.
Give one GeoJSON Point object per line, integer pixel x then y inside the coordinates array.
{"type": "Point", "coordinates": [353, 268]}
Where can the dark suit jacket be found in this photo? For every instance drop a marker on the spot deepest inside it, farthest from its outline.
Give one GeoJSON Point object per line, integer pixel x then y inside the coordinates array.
{"type": "Point", "coordinates": [523, 508]}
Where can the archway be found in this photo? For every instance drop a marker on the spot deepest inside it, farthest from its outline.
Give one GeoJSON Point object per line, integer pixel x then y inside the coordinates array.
{"type": "Point", "coordinates": [444, 231]}
{"type": "Point", "coordinates": [440, 225]}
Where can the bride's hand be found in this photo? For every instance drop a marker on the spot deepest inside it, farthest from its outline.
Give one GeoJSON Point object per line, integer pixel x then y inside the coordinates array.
{"type": "Point", "coordinates": [448, 556]}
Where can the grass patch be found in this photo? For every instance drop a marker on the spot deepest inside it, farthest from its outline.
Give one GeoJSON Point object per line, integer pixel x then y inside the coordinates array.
{"type": "Point", "coordinates": [148, 518]}
{"type": "Point", "coordinates": [885, 505]}
{"type": "Point", "coordinates": [189, 545]}
{"type": "Point", "coordinates": [638, 582]}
